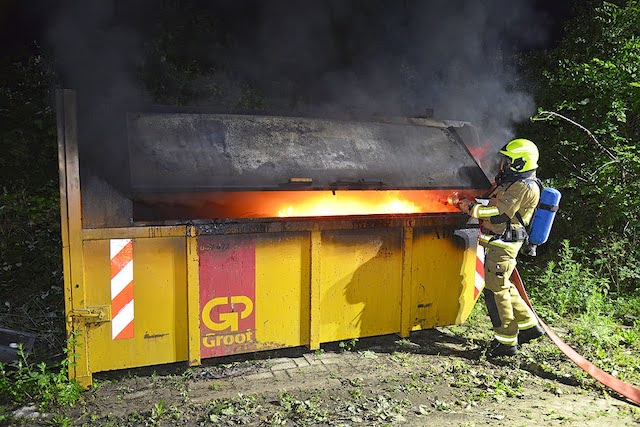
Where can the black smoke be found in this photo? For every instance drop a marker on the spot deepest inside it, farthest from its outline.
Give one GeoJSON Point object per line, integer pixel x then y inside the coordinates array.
{"type": "Point", "coordinates": [332, 57]}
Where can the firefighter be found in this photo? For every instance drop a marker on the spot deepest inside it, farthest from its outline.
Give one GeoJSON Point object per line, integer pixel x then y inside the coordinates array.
{"type": "Point", "coordinates": [503, 220]}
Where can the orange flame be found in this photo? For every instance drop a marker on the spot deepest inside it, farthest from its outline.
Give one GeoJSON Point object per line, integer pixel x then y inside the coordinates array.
{"type": "Point", "coordinates": [311, 203]}
{"type": "Point", "coordinates": [351, 203]}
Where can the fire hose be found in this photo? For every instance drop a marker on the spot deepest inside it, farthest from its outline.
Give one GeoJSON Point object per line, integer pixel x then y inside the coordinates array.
{"type": "Point", "coordinates": [630, 392]}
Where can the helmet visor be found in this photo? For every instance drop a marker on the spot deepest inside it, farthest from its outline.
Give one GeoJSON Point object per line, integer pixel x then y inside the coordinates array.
{"type": "Point", "coordinates": [505, 163]}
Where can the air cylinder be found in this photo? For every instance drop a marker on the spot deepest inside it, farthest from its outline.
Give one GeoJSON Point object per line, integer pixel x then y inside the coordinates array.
{"type": "Point", "coordinates": [544, 216]}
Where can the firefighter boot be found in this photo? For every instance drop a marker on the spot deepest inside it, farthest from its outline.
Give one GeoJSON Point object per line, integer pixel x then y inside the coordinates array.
{"type": "Point", "coordinates": [528, 335]}
{"type": "Point", "coordinates": [497, 349]}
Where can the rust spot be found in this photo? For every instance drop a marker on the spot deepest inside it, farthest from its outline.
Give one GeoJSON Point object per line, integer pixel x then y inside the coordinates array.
{"type": "Point", "coordinates": [425, 305]}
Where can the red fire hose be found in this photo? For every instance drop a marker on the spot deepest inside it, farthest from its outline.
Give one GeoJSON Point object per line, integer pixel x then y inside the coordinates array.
{"type": "Point", "coordinates": [626, 390]}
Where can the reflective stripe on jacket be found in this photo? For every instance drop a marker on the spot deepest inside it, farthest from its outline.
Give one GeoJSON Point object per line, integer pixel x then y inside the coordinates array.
{"type": "Point", "coordinates": [504, 201]}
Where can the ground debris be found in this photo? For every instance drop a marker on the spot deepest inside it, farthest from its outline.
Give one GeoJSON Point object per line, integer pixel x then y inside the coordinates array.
{"type": "Point", "coordinates": [402, 385]}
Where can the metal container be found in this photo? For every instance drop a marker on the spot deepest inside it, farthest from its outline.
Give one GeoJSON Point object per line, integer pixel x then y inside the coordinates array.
{"type": "Point", "coordinates": [208, 235]}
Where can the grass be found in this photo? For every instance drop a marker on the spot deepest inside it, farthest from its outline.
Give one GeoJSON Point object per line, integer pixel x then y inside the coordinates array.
{"type": "Point", "coordinates": [572, 298]}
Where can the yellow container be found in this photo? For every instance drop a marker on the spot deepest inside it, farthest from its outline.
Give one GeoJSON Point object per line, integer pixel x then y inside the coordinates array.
{"type": "Point", "coordinates": [199, 295]}
{"type": "Point", "coordinates": [143, 294]}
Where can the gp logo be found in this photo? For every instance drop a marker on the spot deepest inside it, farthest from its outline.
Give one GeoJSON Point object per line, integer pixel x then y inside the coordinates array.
{"type": "Point", "coordinates": [232, 321]}
{"type": "Point", "coordinates": [227, 303]}
{"type": "Point", "coordinates": [226, 320]}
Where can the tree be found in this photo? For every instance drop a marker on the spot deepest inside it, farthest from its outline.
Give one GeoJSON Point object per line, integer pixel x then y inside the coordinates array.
{"type": "Point", "coordinates": [592, 78]}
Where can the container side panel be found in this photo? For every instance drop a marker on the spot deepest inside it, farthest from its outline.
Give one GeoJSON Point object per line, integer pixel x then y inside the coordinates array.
{"type": "Point", "coordinates": [282, 290]}
{"type": "Point", "coordinates": [254, 292]}
{"type": "Point", "coordinates": [227, 294]}
{"type": "Point", "coordinates": [159, 310]}
{"type": "Point", "coordinates": [472, 273]}
{"type": "Point", "coordinates": [361, 282]}
{"type": "Point", "coordinates": [441, 273]}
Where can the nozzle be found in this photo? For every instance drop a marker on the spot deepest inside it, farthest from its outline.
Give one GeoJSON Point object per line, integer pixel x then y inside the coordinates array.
{"type": "Point", "coordinates": [451, 199]}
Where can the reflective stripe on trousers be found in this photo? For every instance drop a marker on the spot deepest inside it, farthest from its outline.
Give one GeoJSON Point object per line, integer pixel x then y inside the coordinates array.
{"type": "Point", "coordinates": [507, 310]}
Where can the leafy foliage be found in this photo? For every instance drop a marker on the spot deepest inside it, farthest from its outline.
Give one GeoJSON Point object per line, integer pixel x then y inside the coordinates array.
{"type": "Point", "coordinates": [187, 62]}
{"type": "Point", "coordinates": [29, 382]}
{"type": "Point", "coordinates": [593, 79]}
{"type": "Point", "coordinates": [604, 331]}
{"type": "Point", "coordinates": [566, 287]}
{"type": "Point", "coordinates": [31, 285]}
{"type": "Point", "coordinates": [27, 121]}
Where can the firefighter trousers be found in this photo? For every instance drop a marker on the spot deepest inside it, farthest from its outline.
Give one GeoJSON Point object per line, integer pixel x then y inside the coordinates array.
{"type": "Point", "coordinates": [507, 310]}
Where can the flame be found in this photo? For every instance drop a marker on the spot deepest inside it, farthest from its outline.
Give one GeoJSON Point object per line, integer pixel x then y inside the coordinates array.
{"type": "Point", "coordinates": [311, 203]}
{"type": "Point", "coordinates": [346, 203]}
{"type": "Point", "coordinates": [479, 152]}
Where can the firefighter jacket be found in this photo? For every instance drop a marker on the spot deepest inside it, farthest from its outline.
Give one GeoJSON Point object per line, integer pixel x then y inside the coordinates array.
{"type": "Point", "coordinates": [500, 214]}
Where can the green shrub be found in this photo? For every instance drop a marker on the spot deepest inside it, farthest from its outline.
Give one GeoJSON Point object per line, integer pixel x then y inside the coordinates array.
{"type": "Point", "coordinates": [616, 257]}
{"type": "Point", "coordinates": [27, 382]}
{"type": "Point", "coordinates": [31, 284]}
{"type": "Point", "coordinates": [627, 308]}
{"type": "Point", "coordinates": [566, 287]}
{"type": "Point", "coordinates": [594, 330]}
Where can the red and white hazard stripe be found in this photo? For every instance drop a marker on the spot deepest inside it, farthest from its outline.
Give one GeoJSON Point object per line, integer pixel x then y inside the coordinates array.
{"type": "Point", "coordinates": [121, 251]}
{"type": "Point", "coordinates": [479, 284]}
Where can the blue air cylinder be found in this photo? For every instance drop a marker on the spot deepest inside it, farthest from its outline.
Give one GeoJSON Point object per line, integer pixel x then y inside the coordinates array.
{"type": "Point", "coordinates": [545, 214]}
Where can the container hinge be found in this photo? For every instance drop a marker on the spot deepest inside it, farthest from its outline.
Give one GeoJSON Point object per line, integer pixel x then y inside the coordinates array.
{"type": "Point", "coordinates": [97, 314]}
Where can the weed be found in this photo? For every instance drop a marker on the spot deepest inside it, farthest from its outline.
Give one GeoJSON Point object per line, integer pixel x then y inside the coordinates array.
{"type": "Point", "coordinates": [631, 337]}
{"type": "Point", "coordinates": [441, 405]}
{"type": "Point", "coordinates": [305, 412]}
{"type": "Point", "coordinates": [406, 343]}
{"type": "Point", "coordinates": [60, 420]}
{"type": "Point", "coordinates": [368, 354]}
{"type": "Point", "coordinates": [552, 387]}
{"type": "Point", "coordinates": [353, 382]}
{"type": "Point", "coordinates": [188, 374]}
{"type": "Point", "coordinates": [356, 393]}
{"type": "Point", "coordinates": [385, 408]}
{"type": "Point", "coordinates": [319, 352]}
{"type": "Point", "coordinates": [402, 358]}
{"type": "Point", "coordinates": [348, 345]}
{"type": "Point", "coordinates": [415, 385]}
{"type": "Point", "coordinates": [597, 331]}
{"type": "Point", "coordinates": [176, 413]}
{"type": "Point", "coordinates": [158, 411]}
{"type": "Point", "coordinates": [135, 417]}
{"type": "Point", "coordinates": [375, 410]}
{"type": "Point", "coordinates": [232, 411]}
{"type": "Point", "coordinates": [277, 419]}
{"type": "Point", "coordinates": [566, 287]}
{"type": "Point", "coordinates": [553, 415]}
{"type": "Point", "coordinates": [26, 381]}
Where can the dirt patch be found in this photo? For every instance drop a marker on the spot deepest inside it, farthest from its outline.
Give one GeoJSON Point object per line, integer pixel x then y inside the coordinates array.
{"type": "Point", "coordinates": [432, 379]}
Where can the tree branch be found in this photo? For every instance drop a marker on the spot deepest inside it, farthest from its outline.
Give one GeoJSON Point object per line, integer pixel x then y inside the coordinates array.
{"type": "Point", "coordinates": [579, 176]}
{"type": "Point", "coordinates": [602, 147]}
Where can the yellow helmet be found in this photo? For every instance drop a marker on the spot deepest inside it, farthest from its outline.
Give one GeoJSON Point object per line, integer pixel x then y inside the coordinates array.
{"type": "Point", "coordinates": [522, 153]}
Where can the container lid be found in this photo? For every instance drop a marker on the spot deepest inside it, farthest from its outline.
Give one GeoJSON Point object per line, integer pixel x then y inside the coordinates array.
{"type": "Point", "coordinates": [172, 152]}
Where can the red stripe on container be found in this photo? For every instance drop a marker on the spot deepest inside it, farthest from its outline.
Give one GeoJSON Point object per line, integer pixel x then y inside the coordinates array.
{"type": "Point", "coordinates": [122, 259]}
{"type": "Point", "coordinates": [127, 332]}
{"type": "Point", "coordinates": [123, 298]}
{"type": "Point", "coordinates": [479, 266]}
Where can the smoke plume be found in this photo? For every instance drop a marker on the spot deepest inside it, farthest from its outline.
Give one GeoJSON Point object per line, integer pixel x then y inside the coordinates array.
{"type": "Point", "coordinates": [380, 57]}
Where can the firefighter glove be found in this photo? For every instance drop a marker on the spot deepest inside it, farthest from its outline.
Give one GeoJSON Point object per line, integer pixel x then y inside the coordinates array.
{"type": "Point", "coordinates": [466, 204]}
